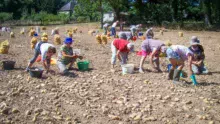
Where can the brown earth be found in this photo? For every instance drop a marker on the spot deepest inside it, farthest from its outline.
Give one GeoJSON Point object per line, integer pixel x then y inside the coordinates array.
{"type": "Point", "coordinates": [102, 97]}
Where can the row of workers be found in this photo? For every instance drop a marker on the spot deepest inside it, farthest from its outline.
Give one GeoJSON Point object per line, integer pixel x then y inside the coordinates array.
{"type": "Point", "coordinates": [177, 55]}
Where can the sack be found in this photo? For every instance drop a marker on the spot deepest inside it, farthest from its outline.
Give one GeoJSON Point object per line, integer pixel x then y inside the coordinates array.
{"type": "Point", "coordinates": [4, 47]}
{"type": "Point", "coordinates": [12, 35]}
{"type": "Point", "coordinates": [22, 31]}
{"type": "Point", "coordinates": [70, 34]}
{"type": "Point", "coordinates": [44, 28]}
{"type": "Point", "coordinates": [98, 39]}
{"type": "Point", "coordinates": [32, 32]}
{"type": "Point", "coordinates": [104, 39]}
{"type": "Point", "coordinates": [33, 42]}
{"type": "Point", "coordinates": [57, 39]}
{"type": "Point", "coordinates": [91, 32]}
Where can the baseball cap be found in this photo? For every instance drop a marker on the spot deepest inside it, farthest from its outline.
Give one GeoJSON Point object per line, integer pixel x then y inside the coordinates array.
{"type": "Point", "coordinates": [68, 40]}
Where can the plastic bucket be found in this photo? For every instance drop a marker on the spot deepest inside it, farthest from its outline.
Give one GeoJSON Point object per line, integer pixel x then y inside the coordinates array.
{"type": "Point", "coordinates": [8, 65]}
{"type": "Point", "coordinates": [127, 68]}
{"type": "Point", "coordinates": [83, 66]}
{"type": "Point", "coordinates": [36, 72]}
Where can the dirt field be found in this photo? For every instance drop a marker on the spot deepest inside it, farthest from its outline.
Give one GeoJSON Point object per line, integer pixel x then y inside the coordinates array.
{"type": "Point", "coordinates": [102, 97]}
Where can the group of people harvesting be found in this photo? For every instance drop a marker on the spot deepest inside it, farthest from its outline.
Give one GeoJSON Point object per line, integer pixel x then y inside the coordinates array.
{"type": "Point", "coordinates": [66, 56]}
{"type": "Point", "coordinates": [177, 55]}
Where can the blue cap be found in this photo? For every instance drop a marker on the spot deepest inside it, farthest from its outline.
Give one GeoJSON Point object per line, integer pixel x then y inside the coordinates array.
{"type": "Point", "coordinates": [35, 34]}
{"type": "Point", "coordinates": [68, 40]}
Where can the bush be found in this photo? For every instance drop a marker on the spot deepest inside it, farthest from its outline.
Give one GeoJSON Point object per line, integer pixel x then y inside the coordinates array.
{"type": "Point", "coordinates": [5, 16]}
{"type": "Point", "coordinates": [46, 18]}
{"type": "Point", "coordinates": [81, 19]}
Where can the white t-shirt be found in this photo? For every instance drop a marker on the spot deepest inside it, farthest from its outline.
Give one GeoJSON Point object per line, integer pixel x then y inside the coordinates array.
{"type": "Point", "coordinates": [3, 29]}
{"type": "Point", "coordinates": [134, 27]}
{"type": "Point", "coordinates": [182, 51]}
{"type": "Point", "coordinates": [114, 24]}
{"type": "Point", "coordinates": [105, 25]}
{"type": "Point", "coordinates": [43, 49]}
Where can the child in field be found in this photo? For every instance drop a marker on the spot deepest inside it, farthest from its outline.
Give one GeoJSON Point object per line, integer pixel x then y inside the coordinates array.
{"type": "Point", "coordinates": [135, 29]}
{"type": "Point", "coordinates": [198, 65]}
{"type": "Point", "coordinates": [177, 55]}
{"type": "Point", "coordinates": [120, 48]}
{"type": "Point", "coordinates": [152, 48]}
{"type": "Point", "coordinates": [150, 33]}
{"type": "Point", "coordinates": [105, 27]}
{"type": "Point", "coordinates": [46, 50]}
{"type": "Point", "coordinates": [66, 56]}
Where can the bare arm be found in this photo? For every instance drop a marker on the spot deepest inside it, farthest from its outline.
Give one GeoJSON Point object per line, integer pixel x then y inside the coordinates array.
{"type": "Point", "coordinates": [190, 65]}
{"type": "Point", "coordinates": [118, 55]}
{"type": "Point", "coordinates": [65, 55]}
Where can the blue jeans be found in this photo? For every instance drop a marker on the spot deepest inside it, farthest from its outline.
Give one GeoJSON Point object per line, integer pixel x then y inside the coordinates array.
{"type": "Point", "coordinates": [199, 69]}
{"type": "Point", "coordinates": [113, 31]}
{"type": "Point", "coordinates": [36, 52]}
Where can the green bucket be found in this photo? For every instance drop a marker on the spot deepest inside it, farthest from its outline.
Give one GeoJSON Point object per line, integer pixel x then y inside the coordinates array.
{"type": "Point", "coordinates": [83, 66]}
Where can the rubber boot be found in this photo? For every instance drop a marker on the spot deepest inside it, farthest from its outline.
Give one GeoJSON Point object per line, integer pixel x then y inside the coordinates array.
{"type": "Point", "coordinates": [170, 75]}
{"type": "Point", "coordinates": [193, 78]}
{"type": "Point", "coordinates": [176, 76]}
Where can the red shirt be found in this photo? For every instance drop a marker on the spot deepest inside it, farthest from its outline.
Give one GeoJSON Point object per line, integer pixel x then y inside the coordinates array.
{"type": "Point", "coordinates": [121, 45]}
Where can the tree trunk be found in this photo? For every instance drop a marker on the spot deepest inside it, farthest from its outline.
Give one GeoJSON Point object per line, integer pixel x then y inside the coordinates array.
{"type": "Point", "coordinates": [102, 14]}
{"type": "Point", "coordinates": [175, 9]}
{"type": "Point", "coordinates": [181, 14]}
{"type": "Point", "coordinates": [117, 14]}
{"type": "Point", "coordinates": [207, 12]}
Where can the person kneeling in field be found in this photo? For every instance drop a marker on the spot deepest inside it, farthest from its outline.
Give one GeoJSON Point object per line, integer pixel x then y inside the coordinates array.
{"type": "Point", "coordinates": [152, 48]}
{"type": "Point", "coordinates": [198, 65]}
{"type": "Point", "coordinates": [135, 29]}
{"type": "Point", "coordinates": [120, 48]}
{"type": "Point", "coordinates": [105, 27]}
{"type": "Point", "coordinates": [177, 55]}
{"type": "Point", "coordinates": [46, 50]}
{"type": "Point", "coordinates": [66, 56]}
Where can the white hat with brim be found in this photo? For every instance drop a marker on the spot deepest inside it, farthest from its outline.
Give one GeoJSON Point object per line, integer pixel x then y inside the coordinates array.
{"type": "Point", "coordinates": [194, 41]}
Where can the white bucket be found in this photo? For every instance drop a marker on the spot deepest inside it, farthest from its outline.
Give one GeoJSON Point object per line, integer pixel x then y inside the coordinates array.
{"type": "Point", "coordinates": [127, 68]}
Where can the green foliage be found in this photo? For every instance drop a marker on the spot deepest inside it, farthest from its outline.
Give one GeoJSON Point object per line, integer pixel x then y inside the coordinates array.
{"type": "Point", "coordinates": [82, 19]}
{"type": "Point", "coordinates": [46, 18]}
{"type": "Point", "coordinates": [5, 16]}
{"type": "Point", "coordinates": [160, 12]}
